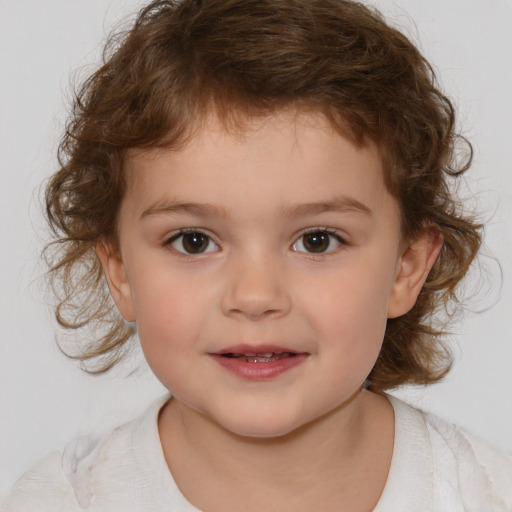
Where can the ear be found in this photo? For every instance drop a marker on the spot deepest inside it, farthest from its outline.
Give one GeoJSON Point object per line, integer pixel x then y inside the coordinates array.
{"type": "Point", "coordinates": [412, 271]}
{"type": "Point", "coordinates": [119, 286]}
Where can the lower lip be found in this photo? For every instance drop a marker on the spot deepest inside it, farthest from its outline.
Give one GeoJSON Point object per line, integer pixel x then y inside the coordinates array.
{"type": "Point", "coordinates": [259, 371]}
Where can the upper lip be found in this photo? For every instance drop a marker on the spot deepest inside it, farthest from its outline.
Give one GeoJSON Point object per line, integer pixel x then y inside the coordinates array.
{"type": "Point", "coordinates": [255, 349]}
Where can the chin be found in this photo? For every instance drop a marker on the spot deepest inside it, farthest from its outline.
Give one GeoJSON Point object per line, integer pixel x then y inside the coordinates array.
{"type": "Point", "coordinates": [261, 427]}
{"type": "Point", "coordinates": [263, 432]}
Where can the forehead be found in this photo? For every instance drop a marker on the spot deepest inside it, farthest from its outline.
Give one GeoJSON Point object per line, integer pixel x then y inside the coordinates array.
{"type": "Point", "coordinates": [289, 157]}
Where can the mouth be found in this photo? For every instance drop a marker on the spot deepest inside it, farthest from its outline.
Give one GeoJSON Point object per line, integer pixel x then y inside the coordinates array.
{"type": "Point", "coordinates": [253, 357]}
{"type": "Point", "coordinates": [258, 363]}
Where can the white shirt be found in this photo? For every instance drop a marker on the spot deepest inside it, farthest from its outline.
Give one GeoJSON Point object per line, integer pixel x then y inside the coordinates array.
{"type": "Point", "coordinates": [435, 467]}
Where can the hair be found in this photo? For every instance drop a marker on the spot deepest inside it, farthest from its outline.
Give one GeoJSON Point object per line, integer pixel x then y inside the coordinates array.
{"type": "Point", "coordinates": [182, 61]}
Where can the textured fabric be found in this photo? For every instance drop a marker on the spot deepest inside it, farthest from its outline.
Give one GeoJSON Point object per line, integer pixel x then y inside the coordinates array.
{"type": "Point", "coordinates": [440, 468]}
{"type": "Point", "coordinates": [435, 467]}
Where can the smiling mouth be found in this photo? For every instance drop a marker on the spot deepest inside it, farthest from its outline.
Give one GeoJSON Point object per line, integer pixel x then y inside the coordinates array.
{"type": "Point", "coordinates": [258, 363]}
{"type": "Point", "coordinates": [267, 357]}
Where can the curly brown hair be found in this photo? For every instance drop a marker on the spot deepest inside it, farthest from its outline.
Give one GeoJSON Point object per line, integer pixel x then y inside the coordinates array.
{"type": "Point", "coordinates": [183, 60]}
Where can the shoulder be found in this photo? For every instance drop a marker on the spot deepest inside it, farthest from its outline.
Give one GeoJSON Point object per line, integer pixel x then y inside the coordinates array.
{"type": "Point", "coordinates": [43, 485]}
{"type": "Point", "coordinates": [93, 472]}
{"type": "Point", "coordinates": [62, 480]}
{"type": "Point", "coordinates": [479, 464]}
{"type": "Point", "coordinates": [465, 467]}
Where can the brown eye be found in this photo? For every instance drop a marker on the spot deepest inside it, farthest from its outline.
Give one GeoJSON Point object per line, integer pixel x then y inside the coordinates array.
{"type": "Point", "coordinates": [193, 242]}
{"type": "Point", "coordinates": [317, 242]}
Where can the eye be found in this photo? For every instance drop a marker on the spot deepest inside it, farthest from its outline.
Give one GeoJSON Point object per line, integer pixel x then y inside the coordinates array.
{"type": "Point", "coordinates": [192, 242]}
{"type": "Point", "coordinates": [320, 241]}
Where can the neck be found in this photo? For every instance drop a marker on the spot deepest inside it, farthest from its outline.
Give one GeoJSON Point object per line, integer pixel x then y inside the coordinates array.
{"type": "Point", "coordinates": [335, 449]}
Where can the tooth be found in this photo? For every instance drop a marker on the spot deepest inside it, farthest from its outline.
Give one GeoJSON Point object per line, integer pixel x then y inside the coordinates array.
{"type": "Point", "coordinates": [267, 354]}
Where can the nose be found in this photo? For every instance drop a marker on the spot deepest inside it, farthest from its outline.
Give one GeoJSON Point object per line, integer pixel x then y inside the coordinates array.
{"type": "Point", "coordinates": [256, 289]}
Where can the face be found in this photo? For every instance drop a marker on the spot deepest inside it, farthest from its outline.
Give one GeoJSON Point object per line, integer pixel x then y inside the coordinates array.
{"type": "Point", "coordinates": [260, 269]}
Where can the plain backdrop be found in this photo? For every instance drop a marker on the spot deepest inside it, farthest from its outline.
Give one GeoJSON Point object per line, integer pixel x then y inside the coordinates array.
{"type": "Point", "coordinates": [45, 399]}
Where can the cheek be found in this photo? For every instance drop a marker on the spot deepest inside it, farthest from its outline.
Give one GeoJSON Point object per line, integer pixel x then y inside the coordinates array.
{"type": "Point", "coordinates": [350, 310]}
{"type": "Point", "coordinates": [169, 327]}
{"type": "Point", "coordinates": [350, 327]}
{"type": "Point", "coordinates": [169, 316]}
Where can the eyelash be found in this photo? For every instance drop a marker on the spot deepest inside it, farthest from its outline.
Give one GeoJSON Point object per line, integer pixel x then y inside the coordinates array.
{"type": "Point", "coordinates": [190, 231]}
{"type": "Point", "coordinates": [332, 234]}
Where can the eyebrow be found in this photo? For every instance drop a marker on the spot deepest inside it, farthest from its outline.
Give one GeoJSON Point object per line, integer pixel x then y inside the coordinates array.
{"type": "Point", "coordinates": [338, 204]}
{"type": "Point", "coordinates": [170, 207]}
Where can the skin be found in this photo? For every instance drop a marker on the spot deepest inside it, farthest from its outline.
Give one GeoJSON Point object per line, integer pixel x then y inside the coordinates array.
{"type": "Point", "coordinates": [255, 196]}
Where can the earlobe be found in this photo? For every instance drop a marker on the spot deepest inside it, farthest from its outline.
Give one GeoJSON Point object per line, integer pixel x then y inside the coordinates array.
{"type": "Point", "coordinates": [412, 271]}
{"type": "Point", "coordinates": [115, 273]}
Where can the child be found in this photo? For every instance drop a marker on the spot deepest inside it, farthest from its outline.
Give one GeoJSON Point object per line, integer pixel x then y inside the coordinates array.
{"type": "Point", "coordinates": [264, 186]}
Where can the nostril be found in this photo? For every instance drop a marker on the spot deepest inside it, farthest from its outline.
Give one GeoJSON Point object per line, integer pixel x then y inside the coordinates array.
{"type": "Point", "coordinates": [255, 313]}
